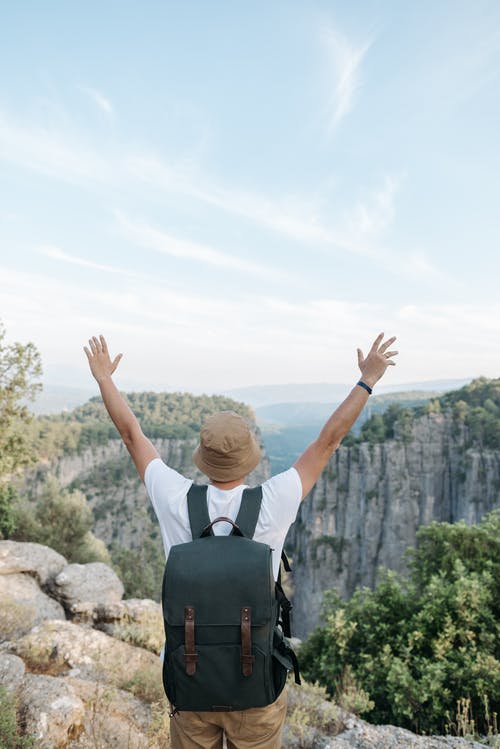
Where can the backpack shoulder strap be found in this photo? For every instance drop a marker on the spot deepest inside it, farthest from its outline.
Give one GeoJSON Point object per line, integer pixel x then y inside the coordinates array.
{"type": "Point", "coordinates": [248, 514]}
{"type": "Point", "coordinates": [198, 509]}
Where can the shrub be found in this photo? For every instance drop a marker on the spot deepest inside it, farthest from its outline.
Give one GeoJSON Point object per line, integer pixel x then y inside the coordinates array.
{"type": "Point", "coordinates": [145, 685]}
{"type": "Point", "coordinates": [416, 647]}
{"type": "Point", "coordinates": [310, 713]}
{"type": "Point", "coordinates": [62, 520]}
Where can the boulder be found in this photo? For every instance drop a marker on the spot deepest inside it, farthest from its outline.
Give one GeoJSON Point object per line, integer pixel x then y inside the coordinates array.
{"type": "Point", "coordinates": [24, 605]}
{"type": "Point", "coordinates": [50, 710]}
{"type": "Point", "coordinates": [113, 717]}
{"type": "Point", "coordinates": [87, 583]}
{"type": "Point", "coordinates": [58, 647]}
{"type": "Point", "coordinates": [37, 560]}
{"type": "Point", "coordinates": [12, 671]}
{"type": "Point", "coordinates": [137, 621]}
{"type": "Point", "coordinates": [362, 735]}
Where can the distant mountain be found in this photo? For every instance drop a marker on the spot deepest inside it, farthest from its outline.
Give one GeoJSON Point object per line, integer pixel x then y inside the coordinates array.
{"type": "Point", "coordinates": [57, 398]}
{"type": "Point", "coordinates": [323, 392]}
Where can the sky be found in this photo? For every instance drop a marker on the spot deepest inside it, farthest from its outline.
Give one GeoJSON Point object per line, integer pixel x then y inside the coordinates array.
{"type": "Point", "coordinates": [243, 193]}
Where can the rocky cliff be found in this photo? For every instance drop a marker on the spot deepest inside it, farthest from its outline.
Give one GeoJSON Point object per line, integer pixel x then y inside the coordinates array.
{"type": "Point", "coordinates": [107, 476]}
{"type": "Point", "coordinates": [365, 510]}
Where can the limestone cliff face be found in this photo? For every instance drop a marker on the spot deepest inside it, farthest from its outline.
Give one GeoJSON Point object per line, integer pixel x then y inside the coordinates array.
{"type": "Point", "coordinates": [109, 480]}
{"type": "Point", "coordinates": [366, 508]}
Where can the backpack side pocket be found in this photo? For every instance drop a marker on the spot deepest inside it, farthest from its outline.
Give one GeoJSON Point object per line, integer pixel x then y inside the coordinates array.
{"type": "Point", "coordinates": [284, 660]}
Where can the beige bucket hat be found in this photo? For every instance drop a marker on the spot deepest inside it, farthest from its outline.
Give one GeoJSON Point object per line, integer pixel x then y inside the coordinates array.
{"type": "Point", "coordinates": [227, 450]}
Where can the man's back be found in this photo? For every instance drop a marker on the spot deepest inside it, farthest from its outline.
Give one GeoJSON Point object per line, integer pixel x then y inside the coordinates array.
{"type": "Point", "coordinates": [167, 489]}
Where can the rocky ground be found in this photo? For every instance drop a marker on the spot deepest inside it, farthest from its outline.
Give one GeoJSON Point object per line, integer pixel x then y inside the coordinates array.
{"type": "Point", "coordinates": [83, 666]}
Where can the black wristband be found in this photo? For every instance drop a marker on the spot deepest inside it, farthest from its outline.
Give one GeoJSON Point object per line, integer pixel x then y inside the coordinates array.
{"type": "Point", "coordinates": [365, 386]}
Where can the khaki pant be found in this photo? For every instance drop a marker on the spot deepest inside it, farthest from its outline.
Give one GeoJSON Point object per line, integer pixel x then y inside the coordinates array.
{"type": "Point", "coordinates": [257, 728]}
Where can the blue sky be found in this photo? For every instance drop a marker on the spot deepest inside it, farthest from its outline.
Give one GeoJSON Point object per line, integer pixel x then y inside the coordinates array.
{"type": "Point", "coordinates": [243, 193]}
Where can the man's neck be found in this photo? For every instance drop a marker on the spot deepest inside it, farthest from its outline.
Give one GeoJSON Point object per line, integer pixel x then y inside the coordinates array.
{"type": "Point", "coordinates": [228, 484]}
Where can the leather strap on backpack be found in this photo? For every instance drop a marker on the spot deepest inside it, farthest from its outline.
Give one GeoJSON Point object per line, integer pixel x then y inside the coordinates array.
{"type": "Point", "coordinates": [247, 658]}
{"type": "Point", "coordinates": [190, 656]}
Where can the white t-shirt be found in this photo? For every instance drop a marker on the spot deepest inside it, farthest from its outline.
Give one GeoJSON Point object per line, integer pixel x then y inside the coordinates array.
{"type": "Point", "coordinates": [168, 490]}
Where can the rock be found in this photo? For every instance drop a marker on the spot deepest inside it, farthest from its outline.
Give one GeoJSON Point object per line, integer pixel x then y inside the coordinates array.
{"type": "Point", "coordinates": [87, 583]}
{"type": "Point", "coordinates": [35, 559]}
{"type": "Point", "coordinates": [12, 671]}
{"type": "Point", "coordinates": [137, 621]}
{"type": "Point", "coordinates": [140, 623]}
{"type": "Point", "coordinates": [50, 711]}
{"type": "Point", "coordinates": [365, 736]}
{"type": "Point", "coordinates": [24, 605]}
{"type": "Point", "coordinates": [113, 717]}
{"type": "Point", "coordinates": [59, 647]}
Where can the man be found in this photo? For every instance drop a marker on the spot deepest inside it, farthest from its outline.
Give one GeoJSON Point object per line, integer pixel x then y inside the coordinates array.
{"type": "Point", "coordinates": [227, 452]}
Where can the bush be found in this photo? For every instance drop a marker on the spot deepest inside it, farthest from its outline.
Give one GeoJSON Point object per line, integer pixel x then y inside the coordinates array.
{"type": "Point", "coordinates": [8, 503]}
{"type": "Point", "coordinates": [140, 570]}
{"type": "Point", "coordinates": [310, 714]}
{"type": "Point", "coordinates": [416, 647]}
{"type": "Point", "coordinates": [61, 519]}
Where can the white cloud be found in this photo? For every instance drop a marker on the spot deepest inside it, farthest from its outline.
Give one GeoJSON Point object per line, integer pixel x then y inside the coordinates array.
{"type": "Point", "coordinates": [51, 153]}
{"type": "Point", "coordinates": [344, 61]}
{"type": "Point", "coordinates": [296, 217]}
{"type": "Point", "coordinates": [357, 232]}
{"type": "Point", "coordinates": [372, 216]}
{"type": "Point", "coordinates": [57, 254]}
{"type": "Point", "coordinates": [102, 102]}
{"type": "Point", "coordinates": [145, 235]}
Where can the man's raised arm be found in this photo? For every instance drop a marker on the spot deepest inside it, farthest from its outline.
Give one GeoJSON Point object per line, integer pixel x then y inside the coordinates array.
{"type": "Point", "coordinates": [313, 460]}
{"type": "Point", "coordinates": [101, 366]}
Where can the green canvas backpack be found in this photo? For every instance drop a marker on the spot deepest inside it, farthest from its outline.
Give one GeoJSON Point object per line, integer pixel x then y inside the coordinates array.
{"type": "Point", "coordinates": [226, 619]}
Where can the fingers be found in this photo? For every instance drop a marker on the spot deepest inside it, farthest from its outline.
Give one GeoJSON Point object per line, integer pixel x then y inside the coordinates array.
{"type": "Point", "coordinates": [116, 361]}
{"type": "Point", "coordinates": [391, 353]}
{"type": "Point", "coordinates": [377, 342]}
{"type": "Point", "coordinates": [103, 344]}
{"type": "Point", "coordinates": [87, 352]}
{"type": "Point", "coordinates": [98, 345]}
{"type": "Point", "coordinates": [386, 345]}
{"type": "Point", "coordinates": [361, 358]}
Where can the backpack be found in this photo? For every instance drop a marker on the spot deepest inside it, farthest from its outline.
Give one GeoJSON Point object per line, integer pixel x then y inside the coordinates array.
{"type": "Point", "coordinates": [226, 619]}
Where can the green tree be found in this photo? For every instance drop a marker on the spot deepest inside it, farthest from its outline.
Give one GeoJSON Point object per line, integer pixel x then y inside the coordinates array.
{"type": "Point", "coordinates": [63, 520]}
{"type": "Point", "coordinates": [418, 646]}
{"type": "Point", "coordinates": [20, 370]}
{"type": "Point", "coordinates": [140, 570]}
